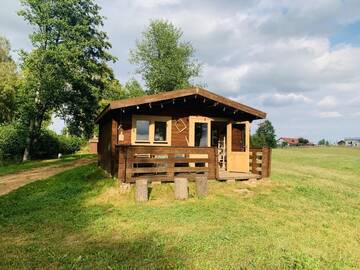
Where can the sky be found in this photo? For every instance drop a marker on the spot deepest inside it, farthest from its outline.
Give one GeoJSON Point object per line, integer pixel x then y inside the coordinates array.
{"type": "Point", "coordinates": [299, 61]}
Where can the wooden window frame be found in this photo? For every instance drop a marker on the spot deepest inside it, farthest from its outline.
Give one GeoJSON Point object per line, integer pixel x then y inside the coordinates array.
{"type": "Point", "coordinates": [152, 119]}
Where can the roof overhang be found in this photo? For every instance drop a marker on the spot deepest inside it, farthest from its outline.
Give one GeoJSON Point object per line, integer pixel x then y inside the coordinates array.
{"type": "Point", "coordinates": [136, 101]}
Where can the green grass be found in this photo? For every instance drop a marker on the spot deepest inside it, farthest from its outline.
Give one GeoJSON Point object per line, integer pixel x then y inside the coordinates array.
{"type": "Point", "coordinates": [306, 217]}
{"type": "Point", "coordinates": [19, 167]}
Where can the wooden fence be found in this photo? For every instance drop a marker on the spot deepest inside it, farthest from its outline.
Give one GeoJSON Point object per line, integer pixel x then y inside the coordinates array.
{"type": "Point", "coordinates": [164, 163]}
{"type": "Point", "coordinates": [260, 161]}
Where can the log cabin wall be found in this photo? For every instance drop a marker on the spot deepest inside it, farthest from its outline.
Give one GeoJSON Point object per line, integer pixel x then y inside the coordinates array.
{"type": "Point", "coordinates": [105, 144]}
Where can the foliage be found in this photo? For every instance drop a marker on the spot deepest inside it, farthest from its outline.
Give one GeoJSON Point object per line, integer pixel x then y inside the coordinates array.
{"type": "Point", "coordinates": [164, 61]}
{"type": "Point", "coordinates": [284, 144]}
{"type": "Point", "coordinates": [67, 70]}
{"type": "Point", "coordinates": [323, 142]}
{"type": "Point", "coordinates": [12, 142]}
{"type": "Point", "coordinates": [49, 144]}
{"type": "Point", "coordinates": [115, 91]}
{"type": "Point", "coordinates": [303, 141]}
{"type": "Point", "coordinates": [306, 216]}
{"type": "Point", "coordinates": [264, 135]}
{"type": "Point", "coordinates": [133, 88]}
{"type": "Point", "coordinates": [9, 83]}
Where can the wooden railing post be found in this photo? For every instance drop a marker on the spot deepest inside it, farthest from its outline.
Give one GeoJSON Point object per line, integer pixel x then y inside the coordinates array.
{"type": "Point", "coordinates": [254, 162]}
{"type": "Point", "coordinates": [266, 162]}
{"type": "Point", "coordinates": [122, 163]}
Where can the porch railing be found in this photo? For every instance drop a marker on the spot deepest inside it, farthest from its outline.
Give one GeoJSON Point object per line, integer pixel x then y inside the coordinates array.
{"type": "Point", "coordinates": [164, 163]}
{"type": "Point", "coordinates": [260, 161]}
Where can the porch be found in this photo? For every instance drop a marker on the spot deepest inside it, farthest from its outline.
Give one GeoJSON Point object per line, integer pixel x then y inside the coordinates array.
{"type": "Point", "coordinates": [164, 163]}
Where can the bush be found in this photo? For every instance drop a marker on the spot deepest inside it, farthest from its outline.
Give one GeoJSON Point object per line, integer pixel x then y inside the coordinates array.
{"type": "Point", "coordinates": [12, 143]}
{"type": "Point", "coordinates": [70, 144]}
{"type": "Point", "coordinates": [49, 144]}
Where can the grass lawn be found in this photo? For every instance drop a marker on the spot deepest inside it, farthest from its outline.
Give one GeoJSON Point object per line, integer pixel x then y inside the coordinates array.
{"type": "Point", "coordinates": [306, 217]}
{"type": "Point", "coordinates": [31, 164]}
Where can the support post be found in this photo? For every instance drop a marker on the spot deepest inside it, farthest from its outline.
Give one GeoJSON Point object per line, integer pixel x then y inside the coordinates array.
{"type": "Point", "coordinates": [141, 192]}
{"type": "Point", "coordinates": [181, 188]}
{"type": "Point", "coordinates": [201, 186]}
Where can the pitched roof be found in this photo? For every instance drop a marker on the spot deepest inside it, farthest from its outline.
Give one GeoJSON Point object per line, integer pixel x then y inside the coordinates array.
{"type": "Point", "coordinates": [290, 141]}
{"type": "Point", "coordinates": [124, 103]}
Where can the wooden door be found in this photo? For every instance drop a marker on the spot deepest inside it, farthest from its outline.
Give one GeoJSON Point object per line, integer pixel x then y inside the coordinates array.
{"type": "Point", "coordinates": [238, 141]}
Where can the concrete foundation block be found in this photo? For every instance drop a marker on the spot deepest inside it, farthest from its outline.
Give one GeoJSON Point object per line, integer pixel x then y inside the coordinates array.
{"type": "Point", "coordinates": [181, 188]}
{"type": "Point", "coordinates": [201, 186]}
{"type": "Point", "coordinates": [141, 192]}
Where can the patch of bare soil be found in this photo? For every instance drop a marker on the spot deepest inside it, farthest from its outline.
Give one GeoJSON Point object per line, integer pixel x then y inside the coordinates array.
{"type": "Point", "coordinates": [11, 182]}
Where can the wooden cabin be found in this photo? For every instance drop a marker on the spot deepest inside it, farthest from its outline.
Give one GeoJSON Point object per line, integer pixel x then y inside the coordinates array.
{"type": "Point", "coordinates": [184, 132]}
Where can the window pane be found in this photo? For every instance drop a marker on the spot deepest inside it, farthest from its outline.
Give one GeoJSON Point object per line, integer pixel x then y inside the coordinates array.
{"type": "Point", "coordinates": [142, 130]}
{"type": "Point", "coordinates": [160, 131]}
{"type": "Point", "coordinates": [201, 134]}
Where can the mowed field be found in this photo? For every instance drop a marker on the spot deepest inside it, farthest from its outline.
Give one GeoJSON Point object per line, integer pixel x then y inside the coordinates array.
{"type": "Point", "coordinates": [307, 216]}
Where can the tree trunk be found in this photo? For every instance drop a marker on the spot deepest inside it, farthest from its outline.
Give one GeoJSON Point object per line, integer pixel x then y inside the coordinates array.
{"type": "Point", "coordinates": [29, 141]}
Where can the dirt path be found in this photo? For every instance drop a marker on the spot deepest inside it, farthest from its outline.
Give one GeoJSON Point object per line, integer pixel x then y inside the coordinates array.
{"type": "Point", "coordinates": [13, 181]}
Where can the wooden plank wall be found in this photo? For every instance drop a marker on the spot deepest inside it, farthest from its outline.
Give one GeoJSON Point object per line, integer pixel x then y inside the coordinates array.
{"type": "Point", "coordinates": [105, 144]}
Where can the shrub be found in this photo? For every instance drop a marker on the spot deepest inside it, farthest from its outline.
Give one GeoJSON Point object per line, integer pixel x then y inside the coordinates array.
{"type": "Point", "coordinates": [12, 143]}
{"type": "Point", "coordinates": [49, 144]}
{"type": "Point", "coordinates": [70, 144]}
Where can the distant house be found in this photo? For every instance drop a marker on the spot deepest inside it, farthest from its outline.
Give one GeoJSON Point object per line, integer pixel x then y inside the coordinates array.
{"type": "Point", "coordinates": [288, 141]}
{"type": "Point", "coordinates": [341, 143]}
{"type": "Point", "coordinates": [352, 142]}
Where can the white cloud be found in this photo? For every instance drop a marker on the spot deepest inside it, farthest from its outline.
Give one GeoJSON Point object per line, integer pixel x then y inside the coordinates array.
{"type": "Point", "coordinates": [284, 100]}
{"type": "Point", "coordinates": [355, 102]}
{"type": "Point", "coordinates": [154, 3]}
{"type": "Point", "coordinates": [327, 102]}
{"type": "Point", "coordinates": [330, 115]}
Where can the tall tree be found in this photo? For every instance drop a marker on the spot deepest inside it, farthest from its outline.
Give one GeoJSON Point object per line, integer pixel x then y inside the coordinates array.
{"type": "Point", "coordinates": [67, 69]}
{"type": "Point", "coordinates": [164, 61]}
{"type": "Point", "coordinates": [264, 135]}
{"type": "Point", "coordinates": [9, 83]}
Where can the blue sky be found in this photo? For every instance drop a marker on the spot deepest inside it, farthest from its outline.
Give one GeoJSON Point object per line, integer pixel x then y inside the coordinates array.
{"type": "Point", "coordinates": [296, 60]}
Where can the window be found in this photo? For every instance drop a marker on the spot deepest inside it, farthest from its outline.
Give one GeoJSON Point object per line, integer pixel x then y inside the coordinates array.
{"type": "Point", "coordinates": [201, 134]}
{"type": "Point", "coordinates": [151, 129]}
{"type": "Point", "coordinates": [160, 131]}
{"type": "Point", "coordinates": [142, 130]}
{"type": "Point", "coordinates": [238, 138]}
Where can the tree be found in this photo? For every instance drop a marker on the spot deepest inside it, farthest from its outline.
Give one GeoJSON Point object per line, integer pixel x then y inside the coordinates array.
{"type": "Point", "coordinates": [133, 88]}
{"type": "Point", "coordinates": [115, 91]}
{"type": "Point", "coordinates": [9, 83]}
{"type": "Point", "coordinates": [165, 62]}
{"type": "Point", "coordinates": [67, 70]}
{"type": "Point", "coordinates": [303, 141]}
{"type": "Point", "coordinates": [322, 142]}
{"type": "Point", "coordinates": [264, 135]}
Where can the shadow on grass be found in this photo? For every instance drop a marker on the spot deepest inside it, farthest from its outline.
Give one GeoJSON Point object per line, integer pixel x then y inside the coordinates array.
{"type": "Point", "coordinates": [37, 223]}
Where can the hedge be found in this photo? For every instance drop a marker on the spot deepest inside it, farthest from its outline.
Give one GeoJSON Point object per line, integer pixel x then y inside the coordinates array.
{"type": "Point", "coordinates": [49, 144]}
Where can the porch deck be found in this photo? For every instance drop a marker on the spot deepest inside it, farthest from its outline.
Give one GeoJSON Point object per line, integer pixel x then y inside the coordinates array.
{"type": "Point", "coordinates": [225, 175]}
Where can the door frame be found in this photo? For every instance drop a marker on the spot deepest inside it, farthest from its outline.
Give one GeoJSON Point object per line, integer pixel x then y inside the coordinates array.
{"type": "Point", "coordinates": [238, 161]}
